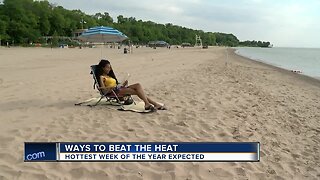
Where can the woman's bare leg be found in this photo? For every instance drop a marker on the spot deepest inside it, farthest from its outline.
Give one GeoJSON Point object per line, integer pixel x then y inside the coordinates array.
{"type": "Point", "coordinates": [136, 89]}
{"type": "Point", "coordinates": [139, 89]}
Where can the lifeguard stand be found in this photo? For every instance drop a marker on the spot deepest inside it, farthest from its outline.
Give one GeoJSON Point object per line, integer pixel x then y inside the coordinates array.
{"type": "Point", "coordinates": [198, 41]}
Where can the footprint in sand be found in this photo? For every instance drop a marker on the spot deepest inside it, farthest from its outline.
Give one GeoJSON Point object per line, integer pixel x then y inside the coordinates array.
{"type": "Point", "coordinates": [5, 141]}
{"type": "Point", "coordinates": [236, 133]}
{"type": "Point", "coordinates": [182, 123]}
{"type": "Point", "coordinates": [219, 172]}
{"type": "Point", "coordinates": [240, 171]}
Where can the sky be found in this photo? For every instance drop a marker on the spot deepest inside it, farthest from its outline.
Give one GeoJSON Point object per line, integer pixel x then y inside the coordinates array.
{"type": "Point", "coordinates": [284, 23]}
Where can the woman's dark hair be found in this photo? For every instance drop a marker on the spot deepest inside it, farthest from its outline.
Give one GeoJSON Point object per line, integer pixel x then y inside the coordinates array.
{"type": "Point", "coordinates": [101, 65]}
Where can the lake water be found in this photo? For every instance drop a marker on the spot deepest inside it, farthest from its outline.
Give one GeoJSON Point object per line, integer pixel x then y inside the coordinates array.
{"type": "Point", "coordinates": [306, 60]}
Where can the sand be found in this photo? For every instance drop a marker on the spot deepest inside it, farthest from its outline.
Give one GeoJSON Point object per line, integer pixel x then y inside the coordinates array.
{"type": "Point", "coordinates": [211, 96]}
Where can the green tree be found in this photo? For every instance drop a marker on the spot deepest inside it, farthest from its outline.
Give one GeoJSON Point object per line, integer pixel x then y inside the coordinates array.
{"type": "Point", "coordinates": [55, 40]}
{"type": "Point", "coordinates": [24, 21]}
{"type": "Point", "coordinates": [103, 19]}
{"type": "Point", "coordinates": [57, 22]}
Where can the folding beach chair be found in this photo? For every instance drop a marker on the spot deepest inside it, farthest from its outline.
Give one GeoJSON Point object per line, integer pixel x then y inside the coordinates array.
{"type": "Point", "coordinates": [113, 98]}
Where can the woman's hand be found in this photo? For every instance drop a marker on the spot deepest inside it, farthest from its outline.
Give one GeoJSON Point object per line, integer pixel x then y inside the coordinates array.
{"type": "Point", "coordinates": [125, 83]}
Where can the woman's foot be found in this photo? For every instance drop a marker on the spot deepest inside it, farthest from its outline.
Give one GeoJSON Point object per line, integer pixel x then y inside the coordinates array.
{"type": "Point", "coordinates": [150, 108]}
{"type": "Point", "coordinates": [161, 107]}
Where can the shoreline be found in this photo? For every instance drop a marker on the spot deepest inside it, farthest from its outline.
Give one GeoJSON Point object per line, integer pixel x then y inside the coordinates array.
{"type": "Point", "coordinates": [302, 77]}
{"type": "Point", "coordinates": [290, 70]}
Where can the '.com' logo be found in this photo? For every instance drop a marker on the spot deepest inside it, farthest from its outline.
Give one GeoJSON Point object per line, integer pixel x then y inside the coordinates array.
{"type": "Point", "coordinates": [35, 156]}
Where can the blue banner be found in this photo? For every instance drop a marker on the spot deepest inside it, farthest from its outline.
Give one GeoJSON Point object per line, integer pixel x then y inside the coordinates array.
{"type": "Point", "coordinates": [40, 151]}
{"type": "Point", "coordinates": [141, 147]}
{"type": "Point", "coordinates": [143, 151]}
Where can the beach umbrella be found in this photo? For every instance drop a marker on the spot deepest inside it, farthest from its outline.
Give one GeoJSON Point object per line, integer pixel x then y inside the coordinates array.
{"type": "Point", "coordinates": [102, 34]}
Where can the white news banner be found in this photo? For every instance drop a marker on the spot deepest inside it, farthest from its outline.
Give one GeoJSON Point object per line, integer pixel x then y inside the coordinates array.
{"type": "Point", "coordinates": [157, 156]}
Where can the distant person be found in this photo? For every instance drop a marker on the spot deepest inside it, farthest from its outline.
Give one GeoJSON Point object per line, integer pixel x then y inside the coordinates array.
{"type": "Point", "coordinates": [108, 82]}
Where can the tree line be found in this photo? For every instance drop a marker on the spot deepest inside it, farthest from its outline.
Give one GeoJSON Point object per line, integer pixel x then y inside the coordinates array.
{"type": "Point", "coordinates": [254, 44]}
{"type": "Point", "coordinates": [26, 21]}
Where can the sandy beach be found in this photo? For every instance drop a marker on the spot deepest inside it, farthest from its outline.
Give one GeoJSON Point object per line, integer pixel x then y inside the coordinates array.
{"type": "Point", "coordinates": [212, 95]}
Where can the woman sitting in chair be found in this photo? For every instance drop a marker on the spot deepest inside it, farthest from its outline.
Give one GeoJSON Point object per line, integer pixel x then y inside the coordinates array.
{"type": "Point", "coordinates": [108, 82]}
